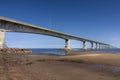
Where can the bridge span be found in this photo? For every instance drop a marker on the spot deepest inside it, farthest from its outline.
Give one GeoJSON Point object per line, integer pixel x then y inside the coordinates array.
{"type": "Point", "coordinates": [10, 25]}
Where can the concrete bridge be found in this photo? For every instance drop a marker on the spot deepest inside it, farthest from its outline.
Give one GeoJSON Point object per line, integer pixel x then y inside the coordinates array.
{"type": "Point", "coordinates": [10, 25]}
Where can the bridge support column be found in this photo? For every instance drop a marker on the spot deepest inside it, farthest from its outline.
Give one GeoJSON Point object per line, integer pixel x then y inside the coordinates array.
{"type": "Point", "coordinates": [108, 46]}
{"type": "Point", "coordinates": [102, 46]}
{"type": "Point", "coordinates": [84, 45]}
{"type": "Point", "coordinates": [92, 46]}
{"type": "Point", "coordinates": [2, 39]}
{"type": "Point", "coordinates": [67, 44]}
{"type": "Point", "coordinates": [97, 46]}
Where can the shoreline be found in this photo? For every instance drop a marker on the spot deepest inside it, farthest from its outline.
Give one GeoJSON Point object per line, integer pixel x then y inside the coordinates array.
{"type": "Point", "coordinates": [86, 57]}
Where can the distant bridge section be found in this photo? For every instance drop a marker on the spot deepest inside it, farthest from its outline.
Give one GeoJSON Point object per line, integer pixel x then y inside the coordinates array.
{"type": "Point", "coordinates": [10, 25]}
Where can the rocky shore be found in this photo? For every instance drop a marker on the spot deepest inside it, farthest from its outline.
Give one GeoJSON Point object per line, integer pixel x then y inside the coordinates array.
{"type": "Point", "coordinates": [15, 50]}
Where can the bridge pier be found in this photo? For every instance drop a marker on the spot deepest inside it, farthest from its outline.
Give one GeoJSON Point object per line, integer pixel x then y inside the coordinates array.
{"type": "Point", "coordinates": [97, 46]}
{"type": "Point", "coordinates": [2, 39]}
{"type": "Point", "coordinates": [84, 45]}
{"type": "Point", "coordinates": [92, 45]}
{"type": "Point", "coordinates": [67, 44]}
{"type": "Point", "coordinates": [108, 46]}
{"type": "Point", "coordinates": [102, 46]}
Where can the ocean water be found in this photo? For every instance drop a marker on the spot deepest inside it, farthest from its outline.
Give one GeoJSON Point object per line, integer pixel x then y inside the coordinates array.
{"type": "Point", "coordinates": [58, 51]}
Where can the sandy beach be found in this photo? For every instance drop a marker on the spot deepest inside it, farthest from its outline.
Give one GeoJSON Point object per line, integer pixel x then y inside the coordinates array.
{"type": "Point", "coordinates": [73, 66]}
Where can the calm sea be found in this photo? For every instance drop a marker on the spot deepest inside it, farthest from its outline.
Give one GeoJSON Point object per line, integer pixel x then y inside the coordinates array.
{"type": "Point", "coordinates": [63, 52]}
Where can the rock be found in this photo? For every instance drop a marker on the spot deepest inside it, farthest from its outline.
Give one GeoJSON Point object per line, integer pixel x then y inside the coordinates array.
{"type": "Point", "coordinates": [15, 50]}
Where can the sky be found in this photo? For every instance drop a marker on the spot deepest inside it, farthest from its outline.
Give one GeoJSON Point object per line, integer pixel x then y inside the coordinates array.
{"type": "Point", "coordinates": [93, 19]}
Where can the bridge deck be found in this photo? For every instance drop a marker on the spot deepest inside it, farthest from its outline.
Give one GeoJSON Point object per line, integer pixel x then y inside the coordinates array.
{"type": "Point", "coordinates": [67, 36]}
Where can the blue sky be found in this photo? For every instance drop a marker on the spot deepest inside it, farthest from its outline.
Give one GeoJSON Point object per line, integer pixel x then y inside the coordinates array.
{"type": "Point", "coordinates": [94, 19]}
